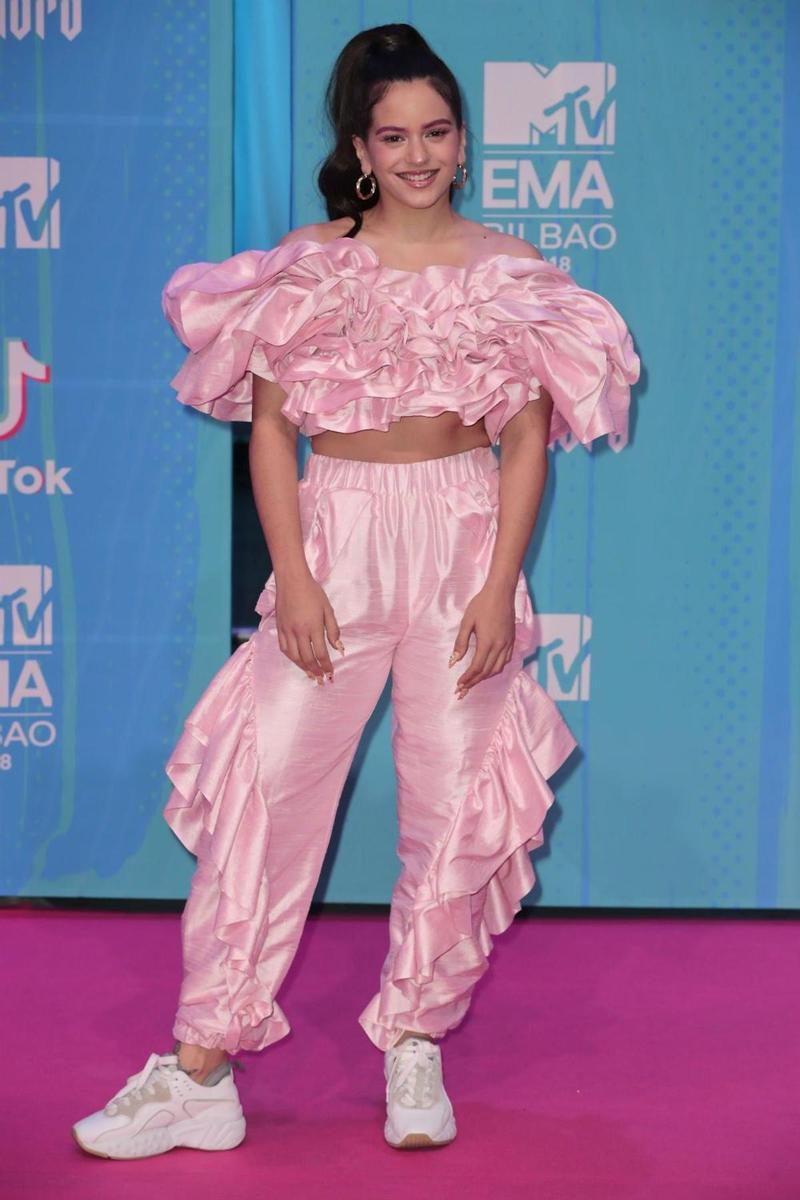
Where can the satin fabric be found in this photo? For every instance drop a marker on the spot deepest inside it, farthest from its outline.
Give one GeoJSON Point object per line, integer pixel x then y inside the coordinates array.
{"type": "Point", "coordinates": [356, 345]}
{"type": "Point", "coordinates": [400, 548]}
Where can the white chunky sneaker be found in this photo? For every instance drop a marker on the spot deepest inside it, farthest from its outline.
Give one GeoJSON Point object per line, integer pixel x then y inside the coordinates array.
{"type": "Point", "coordinates": [160, 1108]}
{"type": "Point", "coordinates": [418, 1109]}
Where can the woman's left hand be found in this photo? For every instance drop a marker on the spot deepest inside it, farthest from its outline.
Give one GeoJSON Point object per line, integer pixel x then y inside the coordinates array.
{"type": "Point", "coordinates": [490, 615]}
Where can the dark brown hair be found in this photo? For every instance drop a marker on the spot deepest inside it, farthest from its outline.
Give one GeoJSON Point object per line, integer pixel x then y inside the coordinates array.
{"type": "Point", "coordinates": [368, 64]}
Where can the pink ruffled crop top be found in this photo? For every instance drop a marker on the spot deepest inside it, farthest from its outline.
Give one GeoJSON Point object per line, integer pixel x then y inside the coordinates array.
{"type": "Point", "coordinates": [356, 345]}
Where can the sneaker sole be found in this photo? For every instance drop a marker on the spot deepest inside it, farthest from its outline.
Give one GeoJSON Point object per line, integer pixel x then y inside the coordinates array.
{"type": "Point", "coordinates": [423, 1141]}
{"type": "Point", "coordinates": [419, 1141]}
{"type": "Point", "coordinates": [222, 1135]}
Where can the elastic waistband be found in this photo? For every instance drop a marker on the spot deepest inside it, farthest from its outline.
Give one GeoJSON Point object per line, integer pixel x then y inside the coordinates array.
{"type": "Point", "coordinates": [326, 471]}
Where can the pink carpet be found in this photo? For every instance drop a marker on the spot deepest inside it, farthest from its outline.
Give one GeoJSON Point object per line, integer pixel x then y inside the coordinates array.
{"type": "Point", "coordinates": [603, 1057]}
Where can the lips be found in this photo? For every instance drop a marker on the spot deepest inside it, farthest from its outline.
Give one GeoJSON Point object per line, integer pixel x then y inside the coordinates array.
{"type": "Point", "coordinates": [418, 178]}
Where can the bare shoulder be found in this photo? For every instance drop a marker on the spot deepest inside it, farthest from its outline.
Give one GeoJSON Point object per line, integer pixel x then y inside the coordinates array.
{"type": "Point", "coordinates": [320, 231]}
{"type": "Point", "coordinates": [490, 241]}
{"type": "Point", "coordinates": [516, 247]}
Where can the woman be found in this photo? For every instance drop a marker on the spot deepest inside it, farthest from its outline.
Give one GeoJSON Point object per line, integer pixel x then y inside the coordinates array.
{"type": "Point", "coordinates": [405, 341]}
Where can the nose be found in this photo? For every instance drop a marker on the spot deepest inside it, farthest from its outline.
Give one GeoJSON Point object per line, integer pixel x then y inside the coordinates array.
{"type": "Point", "coordinates": [416, 151]}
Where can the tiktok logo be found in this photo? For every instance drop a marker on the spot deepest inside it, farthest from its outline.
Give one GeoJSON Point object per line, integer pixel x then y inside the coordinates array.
{"type": "Point", "coordinates": [20, 367]}
{"type": "Point", "coordinates": [25, 479]}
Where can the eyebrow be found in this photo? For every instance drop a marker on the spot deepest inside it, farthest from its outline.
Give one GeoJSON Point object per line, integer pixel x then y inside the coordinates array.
{"type": "Point", "coordinates": [400, 128]}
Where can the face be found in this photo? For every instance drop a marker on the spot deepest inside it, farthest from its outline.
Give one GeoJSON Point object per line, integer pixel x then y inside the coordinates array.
{"type": "Point", "coordinates": [413, 144]}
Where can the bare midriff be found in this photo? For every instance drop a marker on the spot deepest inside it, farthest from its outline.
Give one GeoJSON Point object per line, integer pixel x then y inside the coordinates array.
{"type": "Point", "coordinates": [408, 440]}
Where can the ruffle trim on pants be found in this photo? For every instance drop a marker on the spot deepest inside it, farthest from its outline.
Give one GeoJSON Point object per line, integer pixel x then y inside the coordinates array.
{"type": "Point", "coordinates": [479, 875]}
{"type": "Point", "coordinates": [216, 790]}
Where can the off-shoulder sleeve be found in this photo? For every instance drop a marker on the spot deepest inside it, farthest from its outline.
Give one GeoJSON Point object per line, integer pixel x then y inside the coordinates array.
{"type": "Point", "coordinates": [573, 342]}
{"type": "Point", "coordinates": [237, 318]}
{"type": "Point", "coordinates": [357, 346]}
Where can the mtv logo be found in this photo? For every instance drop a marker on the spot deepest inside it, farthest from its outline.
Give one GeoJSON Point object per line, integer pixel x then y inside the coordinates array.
{"type": "Point", "coordinates": [30, 212]}
{"type": "Point", "coordinates": [26, 611]}
{"type": "Point", "coordinates": [564, 655]}
{"type": "Point", "coordinates": [570, 105]}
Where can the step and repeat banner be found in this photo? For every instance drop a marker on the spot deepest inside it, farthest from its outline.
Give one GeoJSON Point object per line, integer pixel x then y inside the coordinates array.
{"type": "Point", "coordinates": [115, 165]}
{"type": "Point", "coordinates": [651, 151]}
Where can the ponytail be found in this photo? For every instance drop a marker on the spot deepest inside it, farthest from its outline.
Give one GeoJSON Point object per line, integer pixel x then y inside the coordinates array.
{"type": "Point", "coordinates": [362, 73]}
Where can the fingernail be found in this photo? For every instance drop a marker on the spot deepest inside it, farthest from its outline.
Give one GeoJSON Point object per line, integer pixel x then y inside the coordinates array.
{"type": "Point", "coordinates": [339, 646]}
{"type": "Point", "coordinates": [453, 658]}
{"type": "Point", "coordinates": [329, 677]}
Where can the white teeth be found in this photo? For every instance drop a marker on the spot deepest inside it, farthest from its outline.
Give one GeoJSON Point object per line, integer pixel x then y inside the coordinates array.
{"type": "Point", "coordinates": [417, 175]}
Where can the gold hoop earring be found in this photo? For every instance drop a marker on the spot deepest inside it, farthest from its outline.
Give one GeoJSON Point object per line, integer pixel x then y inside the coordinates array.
{"type": "Point", "coordinates": [371, 180]}
{"type": "Point", "coordinates": [464, 175]}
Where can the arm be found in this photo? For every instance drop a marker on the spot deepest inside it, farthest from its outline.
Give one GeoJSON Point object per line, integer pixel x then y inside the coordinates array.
{"type": "Point", "coordinates": [303, 612]}
{"type": "Point", "coordinates": [523, 473]}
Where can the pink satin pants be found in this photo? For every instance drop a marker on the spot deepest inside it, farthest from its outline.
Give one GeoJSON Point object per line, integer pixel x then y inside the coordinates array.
{"type": "Point", "coordinates": [400, 548]}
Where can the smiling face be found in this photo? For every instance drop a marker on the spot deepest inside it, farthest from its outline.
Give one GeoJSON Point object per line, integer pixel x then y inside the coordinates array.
{"type": "Point", "coordinates": [413, 145]}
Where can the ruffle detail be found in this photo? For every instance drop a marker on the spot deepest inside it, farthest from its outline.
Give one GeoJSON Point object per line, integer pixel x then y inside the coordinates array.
{"type": "Point", "coordinates": [475, 884]}
{"type": "Point", "coordinates": [216, 789]}
{"type": "Point", "coordinates": [357, 346]}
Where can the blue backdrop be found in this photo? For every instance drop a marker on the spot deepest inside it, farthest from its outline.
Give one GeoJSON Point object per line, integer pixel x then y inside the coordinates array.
{"type": "Point", "coordinates": [114, 501]}
{"type": "Point", "coordinates": [651, 150]}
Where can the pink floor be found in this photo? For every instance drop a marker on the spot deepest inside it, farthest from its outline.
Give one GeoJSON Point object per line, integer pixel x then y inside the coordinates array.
{"type": "Point", "coordinates": [602, 1058]}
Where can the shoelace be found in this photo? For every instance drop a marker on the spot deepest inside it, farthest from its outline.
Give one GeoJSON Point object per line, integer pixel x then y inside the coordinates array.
{"type": "Point", "coordinates": [413, 1075]}
{"type": "Point", "coordinates": [142, 1083]}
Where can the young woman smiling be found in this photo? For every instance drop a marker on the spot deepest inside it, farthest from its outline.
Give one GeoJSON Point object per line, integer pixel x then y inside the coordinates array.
{"type": "Point", "coordinates": [405, 342]}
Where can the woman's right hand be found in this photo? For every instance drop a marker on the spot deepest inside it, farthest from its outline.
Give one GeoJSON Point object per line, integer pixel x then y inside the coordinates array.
{"type": "Point", "coordinates": [303, 617]}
